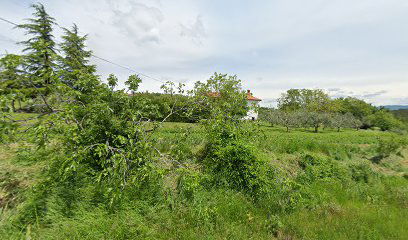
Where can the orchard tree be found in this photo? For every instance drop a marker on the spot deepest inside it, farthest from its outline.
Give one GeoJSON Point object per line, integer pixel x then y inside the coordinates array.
{"type": "Point", "coordinates": [288, 119]}
{"type": "Point", "coordinates": [347, 120]}
{"type": "Point", "coordinates": [40, 50]}
{"type": "Point", "coordinates": [316, 120]}
{"type": "Point", "coordinates": [270, 115]}
{"type": "Point", "coordinates": [353, 121]}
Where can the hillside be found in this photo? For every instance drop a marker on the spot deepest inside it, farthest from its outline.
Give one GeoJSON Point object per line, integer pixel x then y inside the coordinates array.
{"type": "Point", "coordinates": [341, 184]}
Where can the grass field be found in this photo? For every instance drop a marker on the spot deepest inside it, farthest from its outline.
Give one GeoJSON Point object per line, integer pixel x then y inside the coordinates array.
{"type": "Point", "coordinates": [372, 206]}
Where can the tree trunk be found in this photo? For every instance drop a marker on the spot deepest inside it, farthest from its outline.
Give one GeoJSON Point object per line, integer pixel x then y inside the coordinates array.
{"type": "Point", "coordinates": [287, 129]}
{"type": "Point", "coordinates": [13, 107]}
{"type": "Point", "coordinates": [338, 129]}
{"type": "Point", "coordinates": [316, 129]}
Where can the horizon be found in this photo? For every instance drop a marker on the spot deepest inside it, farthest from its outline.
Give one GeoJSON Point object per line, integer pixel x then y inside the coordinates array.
{"type": "Point", "coordinates": [346, 48]}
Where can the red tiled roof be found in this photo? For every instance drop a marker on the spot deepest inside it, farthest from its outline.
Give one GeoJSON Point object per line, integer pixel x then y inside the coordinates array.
{"type": "Point", "coordinates": [252, 98]}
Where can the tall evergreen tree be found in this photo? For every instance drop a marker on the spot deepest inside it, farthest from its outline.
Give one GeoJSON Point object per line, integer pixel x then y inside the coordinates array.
{"type": "Point", "coordinates": [40, 49]}
{"type": "Point", "coordinates": [75, 62]}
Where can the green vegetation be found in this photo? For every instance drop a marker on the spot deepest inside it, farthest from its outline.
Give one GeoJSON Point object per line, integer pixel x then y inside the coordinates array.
{"type": "Point", "coordinates": [322, 178]}
{"type": "Point", "coordinates": [92, 162]}
{"type": "Point", "coordinates": [315, 109]}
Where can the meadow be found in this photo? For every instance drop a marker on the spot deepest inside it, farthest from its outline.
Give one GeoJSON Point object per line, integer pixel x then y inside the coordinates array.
{"type": "Point", "coordinates": [344, 194]}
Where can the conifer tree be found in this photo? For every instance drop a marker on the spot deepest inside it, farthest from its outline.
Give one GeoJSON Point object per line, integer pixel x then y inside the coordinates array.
{"type": "Point", "coordinates": [40, 49]}
{"type": "Point", "coordinates": [75, 62]}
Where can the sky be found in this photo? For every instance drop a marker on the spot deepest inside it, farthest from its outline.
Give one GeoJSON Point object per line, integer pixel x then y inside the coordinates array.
{"type": "Point", "coordinates": [346, 47]}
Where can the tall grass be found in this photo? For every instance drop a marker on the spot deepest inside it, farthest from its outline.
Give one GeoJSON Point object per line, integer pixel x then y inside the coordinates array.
{"type": "Point", "coordinates": [325, 187]}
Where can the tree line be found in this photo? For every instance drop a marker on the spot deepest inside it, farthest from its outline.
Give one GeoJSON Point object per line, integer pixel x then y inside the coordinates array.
{"type": "Point", "coordinates": [313, 108]}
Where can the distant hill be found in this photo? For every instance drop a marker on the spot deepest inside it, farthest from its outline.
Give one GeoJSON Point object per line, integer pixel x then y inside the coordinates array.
{"type": "Point", "coordinates": [396, 107]}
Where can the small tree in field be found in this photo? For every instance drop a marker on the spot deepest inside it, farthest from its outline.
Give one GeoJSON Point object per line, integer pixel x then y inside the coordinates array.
{"type": "Point", "coordinates": [271, 116]}
{"type": "Point", "coordinates": [353, 121]}
{"type": "Point", "coordinates": [316, 120]}
{"type": "Point", "coordinates": [287, 119]}
{"type": "Point", "coordinates": [338, 121]}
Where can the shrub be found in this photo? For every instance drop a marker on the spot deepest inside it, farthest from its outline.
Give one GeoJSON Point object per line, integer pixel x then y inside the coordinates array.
{"type": "Point", "coordinates": [320, 168]}
{"type": "Point", "coordinates": [384, 120]}
{"type": "Point", "coordinates": [388, 146]}
{"type": "Point", "coordinates": [361, 172]}
{"type": "Point", "coordinates": [235, 165]}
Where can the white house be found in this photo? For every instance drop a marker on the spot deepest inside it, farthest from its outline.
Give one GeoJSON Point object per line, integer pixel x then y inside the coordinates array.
{"type": "Point", "coordinates": [253, 102]}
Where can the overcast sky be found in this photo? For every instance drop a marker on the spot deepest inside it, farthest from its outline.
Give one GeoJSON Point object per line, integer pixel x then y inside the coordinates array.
{"type": "Point", "coordinates": [347, 47]}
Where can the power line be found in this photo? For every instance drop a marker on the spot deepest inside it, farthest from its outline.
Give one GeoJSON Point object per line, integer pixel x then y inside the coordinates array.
{"type": "Point", "coordinates": [127, 68]}
{"type": "Point", "coordinates": [103, 59]}
{"type": "Point", "coordinates": [7, 21]}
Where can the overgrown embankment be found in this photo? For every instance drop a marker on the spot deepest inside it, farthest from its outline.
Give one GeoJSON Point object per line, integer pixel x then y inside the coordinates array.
{"type": "Point", "coordinates": [328, 188]}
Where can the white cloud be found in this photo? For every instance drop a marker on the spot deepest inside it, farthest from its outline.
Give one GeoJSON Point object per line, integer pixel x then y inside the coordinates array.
{"type": "Point", "coordinates": [194, 31]}
{"type": "Point", "coordinates": [138, 21]}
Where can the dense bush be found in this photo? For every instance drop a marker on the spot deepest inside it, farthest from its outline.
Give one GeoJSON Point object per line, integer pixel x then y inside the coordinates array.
{"type": "Point", "coordinates": [320, 168]}
{"type": "Point", "coordinates": [362, 172]}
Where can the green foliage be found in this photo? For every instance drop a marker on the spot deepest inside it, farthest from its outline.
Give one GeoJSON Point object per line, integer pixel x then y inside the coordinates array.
{"type": "Point", "coordinates": [40, 49]}
{"type": "Point", "coordinates": [401, 114]}
{"type": "Point", "coordinates": [235, 164]}
{"type": "Point", "coordinates": [12, 81]}
{"type": "Point", "coordinates": [221, 96]}
{"type": "Point", "coordinates": [346, 120]}
{"type": "Point", "coordinates": [106, 168]}
{"type": "Point", "coordinates": [362, 172]}
{"type": "Point", "coordinates": [74, 65]}
{"type": "Point", "coordinates": [384, 120]}
{"type": "Point", "coordinates": [359, 108]}
{"type": "Point", "coordinates": [304, 99]}
{"type": "Point", "coordinates": [112, 81]}
{"type": "Point", "coordinates": [133, 82]}
{"type": "Point", "coordinates": [386, 147]}
{"type": "Point", "coordinates": [320, 168]}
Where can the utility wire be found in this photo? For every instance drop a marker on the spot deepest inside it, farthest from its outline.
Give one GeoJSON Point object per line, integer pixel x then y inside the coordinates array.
{"type": "Point", "coordinates": [127, 68]}
{"type": "Point", "coordinates": [100, 58]}
{"type": "Point", "coordinates": [7, 21]}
